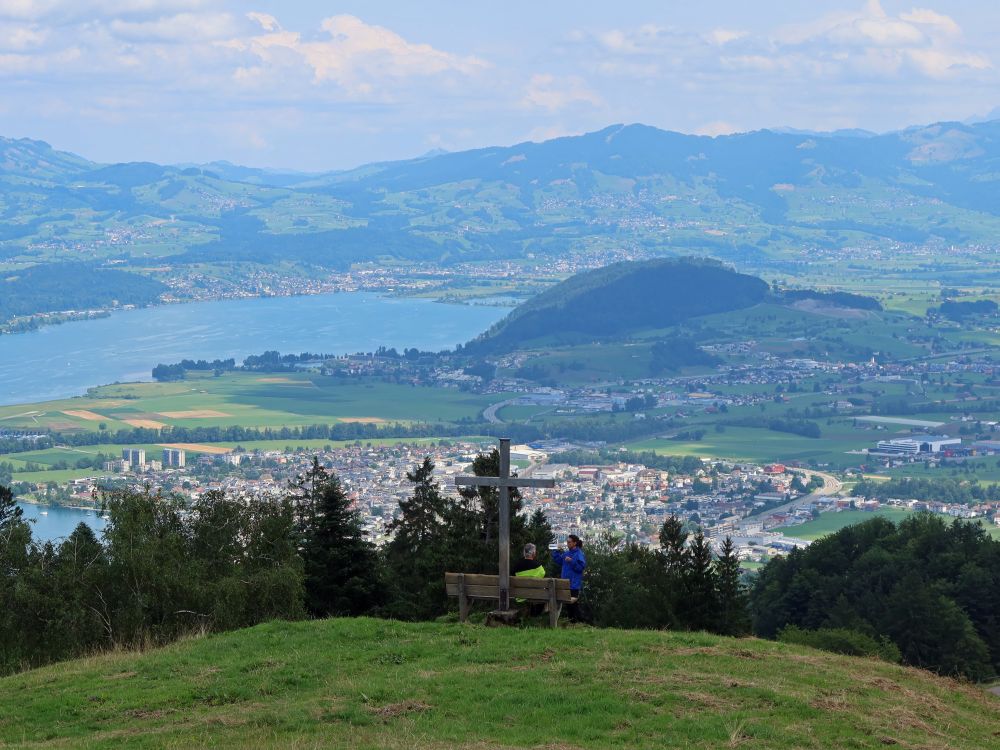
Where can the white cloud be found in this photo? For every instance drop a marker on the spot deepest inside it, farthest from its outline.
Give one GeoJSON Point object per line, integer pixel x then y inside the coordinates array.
{"type": "Point", "coordinates": [183, 27]}
{"type": "Point", "coordinates": [21, 37]}
{"type": "Point", "coordinates": [358, 57]}
{"type": "Point", "coordinates": [866, 42]}
{"type": "Point", "coordinates": [721, 37]}
{"type": "Point", "coordinates": [555, 93]}
{"type": "Point", "coordinates": [265, 21]}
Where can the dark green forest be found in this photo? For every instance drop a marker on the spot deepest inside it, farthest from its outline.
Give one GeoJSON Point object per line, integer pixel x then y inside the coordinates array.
{"type": "Point", "coordinates": [622, 299]}
{"type": "Point", "coordinates": [57, 287]}
{"type": "Point", "coordinates": [930, 587]}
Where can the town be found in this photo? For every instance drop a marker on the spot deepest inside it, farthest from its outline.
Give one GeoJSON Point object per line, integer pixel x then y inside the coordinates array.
{"type": "Point", "coordinates": [624, 501]}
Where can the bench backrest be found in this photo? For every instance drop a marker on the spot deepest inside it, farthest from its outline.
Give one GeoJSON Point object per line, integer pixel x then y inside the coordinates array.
{"type": "Point", "coordinates": [482, 586]}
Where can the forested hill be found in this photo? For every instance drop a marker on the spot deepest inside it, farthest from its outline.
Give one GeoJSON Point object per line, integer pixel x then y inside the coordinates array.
{"type": "Point", "coordinates": [624, 298]}
{"type": "Point", "coordinates": [57, 287]}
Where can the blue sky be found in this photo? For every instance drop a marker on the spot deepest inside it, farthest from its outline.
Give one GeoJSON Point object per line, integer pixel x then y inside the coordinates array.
{"type": "Point", "coordinates": [321, 85]}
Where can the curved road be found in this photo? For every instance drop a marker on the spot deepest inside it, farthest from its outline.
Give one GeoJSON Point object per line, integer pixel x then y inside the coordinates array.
{"type": "Point", "coordinates": [490, 412]}
{"type": "Point", "coordinates": [831, 485]}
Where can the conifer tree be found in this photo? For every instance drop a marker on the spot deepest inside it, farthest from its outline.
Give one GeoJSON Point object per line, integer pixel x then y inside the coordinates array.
{"type": "Point", "coordinates": [734, 613]}
{"type": "Point", "coordinates": [342, 575]}
{"type": "Point", "coordinates": [702, 603]}
{"type": "Point", "coordinates": [420, 550]}
{"type": "Point", "coordinates": [671, 586]}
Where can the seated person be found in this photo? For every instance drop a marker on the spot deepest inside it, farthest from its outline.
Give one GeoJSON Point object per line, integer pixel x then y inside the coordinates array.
{"type": "Point", "coordinates": [529, 567]}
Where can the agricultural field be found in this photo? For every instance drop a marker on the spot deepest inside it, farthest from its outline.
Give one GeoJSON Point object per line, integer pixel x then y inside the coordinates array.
{"type": "Point", "coordinates": [762, 446]}
{"type": "Point", "coordinates": [982, 469]}
{"type": "Point", "coordinates": [829, 523]}
{"type": "Point", "coordinates": [247, 400]}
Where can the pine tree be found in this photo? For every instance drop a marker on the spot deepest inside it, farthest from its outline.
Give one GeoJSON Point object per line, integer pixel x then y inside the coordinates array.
{"type": "Point", "coordinates": [420, 551]}
{"type": "Point", "coordinates": [671, 586]}
{"type": "Point", "coordinates": [539, 532]}
{"type": "Point", "coordinates": [703, 607]}
{"type": "Point", "coordinates": [733, 602]}
{"type": "Point", "coordinates": [341, 568]}
{"type": "Point", "coordinates": [672, 541]}
{"type": "Point", "coordinates": [421, 517]}
{"type": "Point", "coordinates": [10, 513]}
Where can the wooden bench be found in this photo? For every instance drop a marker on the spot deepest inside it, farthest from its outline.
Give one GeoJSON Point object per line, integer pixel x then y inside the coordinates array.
{"type": "Point", "coordinates": [469, 586]}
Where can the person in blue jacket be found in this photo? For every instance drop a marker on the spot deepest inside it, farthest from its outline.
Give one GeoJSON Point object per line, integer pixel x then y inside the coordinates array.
{"type": "Point", "coordinates": [573, 562]}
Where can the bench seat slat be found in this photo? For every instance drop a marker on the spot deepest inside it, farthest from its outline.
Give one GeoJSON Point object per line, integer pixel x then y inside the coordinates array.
{"type": "Point", "coordinates": [480, 579]}
{"type": "Point", "coordinates": [493, 592]}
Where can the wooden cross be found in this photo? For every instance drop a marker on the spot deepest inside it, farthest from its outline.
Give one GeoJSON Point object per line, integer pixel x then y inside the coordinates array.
{"type": "Point", "coordinates": [504, 482]}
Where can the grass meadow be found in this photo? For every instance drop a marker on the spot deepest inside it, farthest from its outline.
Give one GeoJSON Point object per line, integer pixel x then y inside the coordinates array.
{"type": "Point", "coordinates": [367, 683]}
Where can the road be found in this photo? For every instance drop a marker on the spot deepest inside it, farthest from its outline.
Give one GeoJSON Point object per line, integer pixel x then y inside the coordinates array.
{"type": "Point", "coordinates": [831, 485]}
{"type": "Point", "coordinates": [490, 412]}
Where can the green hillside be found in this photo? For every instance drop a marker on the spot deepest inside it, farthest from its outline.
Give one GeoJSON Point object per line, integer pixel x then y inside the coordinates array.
{"type": "Point", "coordinates": [381, 684]}
{"type": "Point", "coordinates": [625, 298]}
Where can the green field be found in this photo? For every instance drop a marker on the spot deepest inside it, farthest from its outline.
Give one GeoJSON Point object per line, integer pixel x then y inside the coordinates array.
{"type": "Point", "coordinates": [247, 400]}
{"type": "Point", "coordinates": [761, 445]}
{"type": "Point", "coordinates": [380, 684]}
{"type": "Point", "coordinates": [829, 523]}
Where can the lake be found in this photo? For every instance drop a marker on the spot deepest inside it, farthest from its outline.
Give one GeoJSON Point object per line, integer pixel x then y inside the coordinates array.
{"type": "Point", "coordinates": [53, 522]}
{"type": "Point", "coordinates": [64, 360]}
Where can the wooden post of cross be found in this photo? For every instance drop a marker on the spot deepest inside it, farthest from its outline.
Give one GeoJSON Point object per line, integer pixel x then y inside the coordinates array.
{"type": "Point", "coordinates": [504, 482]}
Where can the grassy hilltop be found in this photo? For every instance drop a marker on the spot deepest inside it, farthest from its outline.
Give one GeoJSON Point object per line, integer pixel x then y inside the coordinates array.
{"type": "Point", "coordinates": [367, 683]}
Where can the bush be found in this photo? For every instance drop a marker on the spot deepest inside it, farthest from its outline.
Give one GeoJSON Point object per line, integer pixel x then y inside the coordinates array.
{"type": "Point", "coordinates": [842, 641]}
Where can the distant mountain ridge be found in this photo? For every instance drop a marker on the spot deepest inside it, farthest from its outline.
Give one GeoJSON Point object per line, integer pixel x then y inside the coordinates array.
{"type": "Point", "coordinates": [750, 197]}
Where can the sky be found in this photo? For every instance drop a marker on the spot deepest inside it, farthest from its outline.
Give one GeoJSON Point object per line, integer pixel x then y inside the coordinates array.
{"type": "Point", "coordinates": [316, 85]}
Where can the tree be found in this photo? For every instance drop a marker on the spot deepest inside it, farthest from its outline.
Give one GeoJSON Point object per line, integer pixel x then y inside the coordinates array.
{"type": "Point", "coordinates": [930, 586]}
{"type": "Point", "coordinates": [539, 532]}
{"type": "Point", "coordinates": [341, 569]}
{"type": "Point", "coordinates": [703, 607]}
{"type": "Point", "coordinates": [419, 552]}
{"type": "Point", "coordinates": [734, 614]}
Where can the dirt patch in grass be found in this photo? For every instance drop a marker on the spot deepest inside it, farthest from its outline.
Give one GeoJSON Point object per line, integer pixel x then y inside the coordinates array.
{"type": "Point", "coordinates": [361, 420]}
{"type": "Point", "coordinates": [197, 448]}
{"type": "Point", "coordinates": [831, 702]}
{"type": "Point", "coordinates": [90, 416]}
{"type": "Point", "coordinates": [275, 380]}
{"type": "Point", "coordinates": [393, 710]}
{"type": "Point", "coordinates": [710, 702]}
{"type": "Point", "coordinates": [61, 425]}
{"type": "Point", "coordinates": [150, 424]}
{"type": "Point", "coordinates": [194, 414]}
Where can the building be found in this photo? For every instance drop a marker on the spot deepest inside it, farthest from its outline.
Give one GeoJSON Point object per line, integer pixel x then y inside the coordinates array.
{"type": "Point", "coordinates": [134, 457]}
{"type": "Point", "coordinates": [174, 457]}
{"type": "Point", "coordinates": [898, 447]}
{"type": "Point", "coordinates": [937, 443]}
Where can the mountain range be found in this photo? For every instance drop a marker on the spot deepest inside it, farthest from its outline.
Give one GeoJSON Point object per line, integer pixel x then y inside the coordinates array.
{"type": "Point", "coordinates": [749, 197]}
